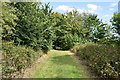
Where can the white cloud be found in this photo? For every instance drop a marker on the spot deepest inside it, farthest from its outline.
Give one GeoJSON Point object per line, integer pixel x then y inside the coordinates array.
{"type": "Point", "coordinates": [62, 7]}
{"type": "Point", "coordinates": [81, 10]}
{"type": "Point", "coordinates": [111, 9]}
{"type": "Point", "coordinates": [67, 8]}
{"type": "Point", "coordinates": [114, 4]}
{"type": "Point", "coordinates": [91, 11]}
{"type": "Point", "coordinates": [92, 6]}
{"type": "Point", "coordinates": [70, 9]}
{"type": "Point", "coordinates": [107, 15]}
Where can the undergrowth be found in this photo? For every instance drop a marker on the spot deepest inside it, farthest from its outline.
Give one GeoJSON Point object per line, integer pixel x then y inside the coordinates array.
{"type": "Point", "coordinates": [104, 59]}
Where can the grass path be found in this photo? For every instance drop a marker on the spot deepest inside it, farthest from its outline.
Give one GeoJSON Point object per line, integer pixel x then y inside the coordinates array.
{"type": "Point", "coordinates": [60, 64]}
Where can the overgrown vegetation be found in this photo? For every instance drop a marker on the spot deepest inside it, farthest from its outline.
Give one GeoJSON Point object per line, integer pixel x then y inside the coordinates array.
{"type": "Point", "coordinates": [104, 59]}
{"type": "Point", "coordinates": [27, 26]}
{"type": "Point", "coordinates": [34, 26]}
{"type": "Point", "coordinates": [17, 59]}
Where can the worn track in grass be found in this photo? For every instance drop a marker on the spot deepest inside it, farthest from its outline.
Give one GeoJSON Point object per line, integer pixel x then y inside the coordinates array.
{"type": "Point", "coordinates": [61, 64]}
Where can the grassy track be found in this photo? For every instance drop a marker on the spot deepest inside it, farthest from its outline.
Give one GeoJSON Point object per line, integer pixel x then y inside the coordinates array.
{"type": "Point", "coordinates": [60, 64]}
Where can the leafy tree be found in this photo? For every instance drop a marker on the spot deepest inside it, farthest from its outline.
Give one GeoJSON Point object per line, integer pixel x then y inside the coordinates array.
{"type": "Point", "coordinates": [69, 30]}
{"type": "Point", "coordinates": [8, 21]}
{"type": "Point", "coordinates": [116, 23]}
{"type": "Point", "coordinates": [34, 27]}
{"type": "Point", "coordinates": [25, 29]}
{"type": "Point", "coordinates": [96, 29]}
{"type": "Point", "coordinates": [37, 26]}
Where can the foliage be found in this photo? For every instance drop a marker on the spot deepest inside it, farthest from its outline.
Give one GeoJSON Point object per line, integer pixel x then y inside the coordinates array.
{"type": "Point", "coordinates": [37, 26]}
{"type": "Point", "coordinates": [8, 21]}
{"type": "Point", "coordinates": [34, 26]}
{"type": "Point", "coordinates": [94, 29]}
{"type": "Point", "coordinates": [105, 59]}
{"type": "Point", "coordinates": [31, 26]}
{"type": "Point", "coordinates": [17, 59]}
{"type": "Point", "coordinates": [75, 28]}
{"type": "Point", "coordinates": [116, 23]}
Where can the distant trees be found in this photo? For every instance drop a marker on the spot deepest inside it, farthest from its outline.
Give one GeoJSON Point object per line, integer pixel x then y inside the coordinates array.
{"type": "Point", "coordinates": [34, 24]}
{"type": "Point", "coordinates": [116, 23]}
{"type": "Point", "coordinates": [29, 27]}
{"type": "Point", "coordinates": [75, 28]}
{"type": "Point", "coordinates": [98, 31]}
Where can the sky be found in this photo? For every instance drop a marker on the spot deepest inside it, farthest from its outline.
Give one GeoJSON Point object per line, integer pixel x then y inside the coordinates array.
{"type": "Point", "coordinates": [103, 8]}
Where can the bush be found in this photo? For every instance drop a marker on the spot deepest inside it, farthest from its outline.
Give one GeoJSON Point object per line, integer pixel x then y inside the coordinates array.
{"type": "Point", "coordinates": [105, 59]}
{"type": "Point", "coordinates": [17, 59]}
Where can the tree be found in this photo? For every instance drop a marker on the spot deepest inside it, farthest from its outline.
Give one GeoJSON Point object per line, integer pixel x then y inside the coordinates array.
{"type": "Point", "coordinates": [116, 26]}
{"type": "Point", "coordinates": [8, 21]}
{"type": "Point", "coordinates": [96, 29]}
{"type": "Point", "coordinates": [34, 25]}
{"type": "Point", "coordinates": [116, 23]}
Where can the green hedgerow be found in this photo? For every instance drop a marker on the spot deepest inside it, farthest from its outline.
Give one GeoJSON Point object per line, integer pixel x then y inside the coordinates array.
{"type": "Point", "coordinates": [104, 58]}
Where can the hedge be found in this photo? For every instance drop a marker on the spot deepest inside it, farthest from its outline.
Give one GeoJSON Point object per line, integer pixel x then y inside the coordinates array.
{"type": "Point", "coordinates": [104, 59]}
{"type": "Point", "coordinates": [16, 59]}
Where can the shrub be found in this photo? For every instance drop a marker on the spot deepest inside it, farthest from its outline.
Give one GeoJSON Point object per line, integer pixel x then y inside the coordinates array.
{"type": "Point", "coordinates": [17, 59]}
{"type": "Point", "coordinates": [105, 59]}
